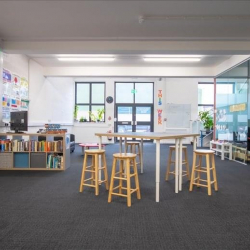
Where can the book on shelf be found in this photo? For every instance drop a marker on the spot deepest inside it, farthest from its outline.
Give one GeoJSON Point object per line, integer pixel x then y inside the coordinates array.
{"type": "Point", "coordinates": [55, 161]}
{"type": "Point", "coordinates": [5, 145]}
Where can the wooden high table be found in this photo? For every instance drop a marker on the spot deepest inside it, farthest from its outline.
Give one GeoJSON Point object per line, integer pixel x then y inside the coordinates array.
{"type": "Point", "coordinates": [157, 137]}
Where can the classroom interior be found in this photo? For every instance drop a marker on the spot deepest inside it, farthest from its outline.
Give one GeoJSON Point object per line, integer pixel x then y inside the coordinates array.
{"type": "Point", "coordinates": [44, 209]}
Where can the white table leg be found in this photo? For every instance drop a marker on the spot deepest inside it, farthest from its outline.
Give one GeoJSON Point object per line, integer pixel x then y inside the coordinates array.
{"type": "Point", "coordinates": [157, 170]}
{"type": "Point", "coordinates": [125, 144]}
{"type": "Point", "coordinates": [195, 143]}
{"type": "Point", "coordinates": [180, 164]}
{"type": "Point", "coordinates": [176, 165]}
{"type": "Point", "coordinates": [141, 156]}
{"type": "Point", "coordinates": [120, 141]}
{"type": "Point", "coordinates": [100, 160]}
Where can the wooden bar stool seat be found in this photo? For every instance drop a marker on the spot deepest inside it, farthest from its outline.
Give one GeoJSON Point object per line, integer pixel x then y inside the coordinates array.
{"type": "Point", "coordinates": [171, 161]}
{"type": "Point", "coordinates": [93, 170]}
{"type": "Point", "coordinates": [124, 160]}
{"type": "Point", "coordinates": [198, 169]}
{"type": "Point", "coordinates": [134, 147]}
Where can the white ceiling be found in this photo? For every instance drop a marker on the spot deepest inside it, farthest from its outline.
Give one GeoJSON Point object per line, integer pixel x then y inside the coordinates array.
{"type": "Point", "coordinates": [41, 29]}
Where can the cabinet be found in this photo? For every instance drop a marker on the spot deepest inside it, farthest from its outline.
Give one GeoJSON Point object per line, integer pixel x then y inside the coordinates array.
{"type": "Point", "coordinates": [49, 152]}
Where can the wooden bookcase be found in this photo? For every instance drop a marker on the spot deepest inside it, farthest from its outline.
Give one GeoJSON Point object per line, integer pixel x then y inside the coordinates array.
{"type": "Point", "coordinates": [26, 151]}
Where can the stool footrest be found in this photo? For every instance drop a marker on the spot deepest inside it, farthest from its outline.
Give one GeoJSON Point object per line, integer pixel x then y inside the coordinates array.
{"type": "Point", "coordinates": [91, 171]}
{"type": "Point", "coordinates": [120, 178]}
{"type": "Point", "coordinates": [203, 170]}
{"type": "Point", "coordinates": [123, 195]}
{"type": "Point", "coordinates": [198, 184]}
{"type": "Point", "coordinates": [200, 179]}
{"type": "Point", "coordinates": [89, 179]}
{"type": "Point", "coordinates": [101, 181]}
{"type": "Point", "coordinates": [184, 173]}
{"type": "Point", "coordinates": [90, 166]}
{"type": "Point", "coordinates": [124, 188]}
{"type": "Point", "coordinates": [101, 168]}
{"type": "Point", "coordinates": [89, 185]}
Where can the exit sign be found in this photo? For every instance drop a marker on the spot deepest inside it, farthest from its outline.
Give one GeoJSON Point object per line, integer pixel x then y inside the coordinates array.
{"type": "Point", "coordinates": [133, 91]}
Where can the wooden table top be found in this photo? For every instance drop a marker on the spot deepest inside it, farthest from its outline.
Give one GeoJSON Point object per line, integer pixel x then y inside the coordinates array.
{"type": "Point", "coordinates": [147, 135]}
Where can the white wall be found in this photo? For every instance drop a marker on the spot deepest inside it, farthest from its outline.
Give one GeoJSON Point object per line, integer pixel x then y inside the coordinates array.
{"type": "Point", "coordinates": [16, 64]}
{"type": "Point", "coordinates": [183, 91]}
{"type": "Point", "coordinates": [230, 63]}
{"type": "Point", "coordinates": [48, 104]}
{"type": "Point", "coordinates": [52, 99]}
{"type": "Point", "coordinates": [130, 71]}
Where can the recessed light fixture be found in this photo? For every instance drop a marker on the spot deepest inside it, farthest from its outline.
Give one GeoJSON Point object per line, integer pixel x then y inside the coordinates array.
{"type": "Point", "coordinates": [84, 55]}
{"type": "Point", "coordinates": [172, 58]}
{"type": "Point", "coordinates": [161, 59]}
{"type": "Point", "coordinates": [86, 59]}
{"type": "Point", "coordinates": [175, 56]}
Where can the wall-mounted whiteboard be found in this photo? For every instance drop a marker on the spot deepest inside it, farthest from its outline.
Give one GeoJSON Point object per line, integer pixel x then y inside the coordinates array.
{"type": "Point", "coordinates": [178, 115]}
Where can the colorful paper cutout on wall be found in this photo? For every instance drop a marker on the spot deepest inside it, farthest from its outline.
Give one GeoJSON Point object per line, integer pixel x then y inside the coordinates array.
{"type": "Point", "coordinates": [159, 111]}
{"type": "Point", "coordinates": [159, 97]}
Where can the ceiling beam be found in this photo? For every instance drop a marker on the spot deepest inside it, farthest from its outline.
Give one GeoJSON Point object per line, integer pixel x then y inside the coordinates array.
{"type": "Point", "coordinates": [128, 47]}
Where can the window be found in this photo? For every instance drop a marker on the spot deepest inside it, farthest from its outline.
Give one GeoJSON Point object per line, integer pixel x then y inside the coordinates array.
{"type": "Point", "coordinates": [89, 97]}
{"type": "Point", "coordinates": [206, 93]}
{"type": "Point", "coordinates": [205, 96]}
{"type": "Point", "coordinates": [134, 92]}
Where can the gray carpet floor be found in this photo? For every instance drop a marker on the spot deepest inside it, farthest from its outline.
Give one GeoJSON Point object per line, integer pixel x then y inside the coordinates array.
{"type": "Point", "coordinates": [44, 210]}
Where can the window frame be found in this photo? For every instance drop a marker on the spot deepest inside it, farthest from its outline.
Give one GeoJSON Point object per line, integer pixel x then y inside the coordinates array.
{"type": "Point", "coordinates": [90, 104]}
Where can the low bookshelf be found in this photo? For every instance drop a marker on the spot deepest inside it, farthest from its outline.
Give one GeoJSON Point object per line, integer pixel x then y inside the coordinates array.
{"type": "Point", "coordinates": [26, 151]}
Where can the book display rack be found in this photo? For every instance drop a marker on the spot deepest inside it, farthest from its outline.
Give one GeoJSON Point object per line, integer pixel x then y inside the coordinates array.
{"type": "Point", "coordinates": [49, 152]}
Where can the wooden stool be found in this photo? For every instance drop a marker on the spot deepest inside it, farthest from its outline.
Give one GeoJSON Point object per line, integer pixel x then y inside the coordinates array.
{"type": "Point", "coordinates": [199, 169]}
{"type": "Point", "coordinates": [131, 147]}
{"type": "Point", "coordinates": [94, 170]}
{"type": "Point", "coordinates": [124, 159]}
{"type": "Point", "coordinates": [184, 162]}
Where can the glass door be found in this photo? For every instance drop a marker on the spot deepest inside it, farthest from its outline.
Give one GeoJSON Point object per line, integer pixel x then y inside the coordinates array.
{"type": "Point", "coordinates": [134, 106]}
{"type": "Point", "coordinates": [134, 118]}
{"type": "Point", "coordinates": [124, 118]}
{"type": "Point", "coordinates": [143, 118]}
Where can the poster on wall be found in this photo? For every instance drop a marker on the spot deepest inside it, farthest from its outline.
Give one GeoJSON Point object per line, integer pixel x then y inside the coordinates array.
{"type": "Point", "coordinates": [15, 104]}
{"type": "Point", "coordinates": [6, 108]}
{"type": "Point", "coordinates": [7, 88]}
{"type": "Point", "coordinates": [15, 86]}
{"type": "Point", "coordinates": [24, 104]}
{"type": "Point", "coordinates": [15, 94]}
{"type": "Point", "coordinates": [24, 89]}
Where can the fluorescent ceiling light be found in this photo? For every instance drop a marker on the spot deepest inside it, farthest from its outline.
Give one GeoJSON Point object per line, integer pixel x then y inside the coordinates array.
{"type": "Point", "coordinates": [161, 59]}
{"type": "Point", "coordinates": [171, 56]}
{"type": "Point", "coordinates": [84, 55]}
{"type": "Point", "coordinates": [86, 59]}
